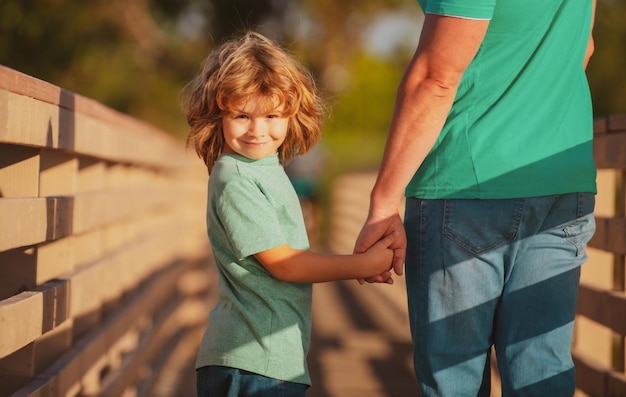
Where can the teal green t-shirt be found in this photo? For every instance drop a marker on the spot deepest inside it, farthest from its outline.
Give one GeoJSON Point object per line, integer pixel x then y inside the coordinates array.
{"type": "Point", "coordinates": [260, 324]}
{"type": "Point", "coordinates": [521, 123]}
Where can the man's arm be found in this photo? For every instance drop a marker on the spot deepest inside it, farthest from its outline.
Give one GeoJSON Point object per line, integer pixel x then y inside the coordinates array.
{"type": "Point", "coordinates": [425, 96]}
{"type": "Point", "coordinates": [590, 45]}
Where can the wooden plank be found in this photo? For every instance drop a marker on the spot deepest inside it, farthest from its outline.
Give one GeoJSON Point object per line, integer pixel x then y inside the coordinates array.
{"type": "Point", "coordinates": [23, 84]}
{"type": "Point", "coordinates": [27, 267]}
{"type": "Point", "coordinates": [20, 321]}
{"type": "Point", "coordinates": [616, 384]}
{"type": "Point", "coordinates": [87, 247]}
{"type": "Point", "coordinates": [49, 347]}
{"type": "Point", "coordinates": [609, 150]}
{"type": "Point", "coordinates": [24, 221]}
{"type": "Point", "coordinates": [147, 253]}
{"type": "Point", "coordinates": [610, 235]}
{"type": "Point", "coordinates": [86, 298]}
{"type": "Point", "coordinates": [65, 375]}
{"type": "Point", "coordinates": [109, 219]}
{"type": "Point", "coordinates": [605, 307]}
{"type": "Point", "coordinates": [20, 84]}
{"type": "Point", "coordinates": [26, 363]}
{"type": "Point", "coordinates": [590, 375]}
{"type": "Point", "coordinates": [600, 126]}
{"type": "Point", "coordinates": [596, 380]}
{"type": "Point", "coordinates": [126, 266]}
{"type": "Point", "coordinates": [91, 174]}
{"type": "Point", "coordinates": [18, 268]}
{"type": "Point", "coordinates": [616, 123]}
{"type": "Point", "coordinates": [97, 209]}
{"type": "Point", "coordinates": [29, 221]}
{"type": "Point", "coordinates": [17, 369]}
{"type": "Point", "coordinates": [31, 122]}
{"type": "Point", "coordinates": [58, 173]}
{"type": "Point", "coordinates": [172, 323]}
{"type": "Point", "coordinates": [52, 260]}
{"type": "Point", "coordinates": [19, 171]}
{"type": "Point", "coordinates": [30, 314]}
{"type": "Point", "coordinates": [146, 354]}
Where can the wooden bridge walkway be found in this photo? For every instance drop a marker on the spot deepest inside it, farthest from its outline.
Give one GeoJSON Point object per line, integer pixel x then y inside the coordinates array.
{"type": "Point", "coordinates": [360, 346]}
{"type": "Point", "coordinates": [104, 283]}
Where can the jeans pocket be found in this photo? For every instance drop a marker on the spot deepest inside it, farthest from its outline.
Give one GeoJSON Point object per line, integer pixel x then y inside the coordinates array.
{"type": "Point", "coordinates": [580, 231]}
{"type": "Point", "coordinates": [482, 225]}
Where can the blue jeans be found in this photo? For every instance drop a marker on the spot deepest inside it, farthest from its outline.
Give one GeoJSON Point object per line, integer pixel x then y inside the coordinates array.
{"type": "Point", "coordinates": [216, 381]}
{"type": "Point", "coordinates": [503, 273]}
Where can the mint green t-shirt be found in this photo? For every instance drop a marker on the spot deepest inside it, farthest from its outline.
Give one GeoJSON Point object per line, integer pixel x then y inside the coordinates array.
{"type": "Point", "coordinates": [260, 324]}
{"type": "Point", "coordinates": [521, 123]}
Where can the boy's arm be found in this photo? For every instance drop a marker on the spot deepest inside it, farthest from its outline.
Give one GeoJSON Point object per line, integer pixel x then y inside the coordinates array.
{"type": "Point", "coordinates": [288, 264]}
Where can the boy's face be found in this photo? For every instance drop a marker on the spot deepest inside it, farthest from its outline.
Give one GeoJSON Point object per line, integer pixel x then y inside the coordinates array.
{"type": "Point", "coordinates": [256, 128]}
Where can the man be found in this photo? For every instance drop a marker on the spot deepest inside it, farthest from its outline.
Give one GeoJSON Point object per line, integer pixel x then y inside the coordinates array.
{"type": "Point", "coordinates": [491, 143]}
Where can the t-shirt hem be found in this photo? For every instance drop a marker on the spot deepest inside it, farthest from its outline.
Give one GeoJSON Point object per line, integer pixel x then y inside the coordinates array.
{"type": "Point", "coordinates": [460, 16]}
{"type": "Point", "coordinates": [494, 194]}
{"type": "Point", "coordinates": [446, 8]}
{"type": "Point", "coordinates": [305, 379]}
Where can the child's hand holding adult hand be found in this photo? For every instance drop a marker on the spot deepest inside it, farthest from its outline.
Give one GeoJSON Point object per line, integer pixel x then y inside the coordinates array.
{"type": "Point", "coordinates": [380, 257]}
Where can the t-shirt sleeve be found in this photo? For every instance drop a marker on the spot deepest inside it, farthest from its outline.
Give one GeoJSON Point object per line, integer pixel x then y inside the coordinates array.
{"type": "Point", "coordinates": [248, 218]}
{"type": "Point", "coordinates": [479, 9]}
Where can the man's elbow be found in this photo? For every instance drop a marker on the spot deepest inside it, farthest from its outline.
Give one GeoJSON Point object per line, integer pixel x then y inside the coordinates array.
{"type": "Point", "coordinates": [443, 85]}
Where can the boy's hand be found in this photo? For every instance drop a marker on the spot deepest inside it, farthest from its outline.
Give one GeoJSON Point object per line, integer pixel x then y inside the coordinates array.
{"type": "Point", "coordinates": [382, 254]}
{"type": "Point", "coordinates": [374, 231]}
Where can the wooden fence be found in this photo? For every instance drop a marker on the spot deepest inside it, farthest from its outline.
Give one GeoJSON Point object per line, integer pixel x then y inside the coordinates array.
{"type": "Point", "coordinates": [103, 248]}
{"type": "Point", "coordinates": [102, 239]}
{"type": "Point", "coordinates": [601, 324]}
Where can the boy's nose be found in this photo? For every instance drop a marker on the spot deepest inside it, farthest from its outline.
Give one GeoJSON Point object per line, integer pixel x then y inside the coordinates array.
{"type": "Point", "coordinates": [257, 128]}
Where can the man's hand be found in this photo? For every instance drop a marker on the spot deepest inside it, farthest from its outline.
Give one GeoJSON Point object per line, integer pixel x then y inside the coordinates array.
{"type": "Point", "coordinates": [376, 229]}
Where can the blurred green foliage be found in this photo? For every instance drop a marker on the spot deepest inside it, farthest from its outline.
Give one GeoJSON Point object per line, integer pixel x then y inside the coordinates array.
{"type": "Point", "coordinates": [123, 54]}
{"type": "Point", "coordinates": [356, 130]}
{"type": "Point", "coordinates": [607, 68]}
{"type": "Point", "coordinates": [136, 55]}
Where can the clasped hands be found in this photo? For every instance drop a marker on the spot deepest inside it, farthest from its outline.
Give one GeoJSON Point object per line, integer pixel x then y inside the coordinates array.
{"type": "Point", "coordinates": [375, 230]}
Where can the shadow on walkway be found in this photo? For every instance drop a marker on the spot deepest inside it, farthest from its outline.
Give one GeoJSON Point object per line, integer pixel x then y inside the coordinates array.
{"type": "Point", "coordinates": [361, 343]}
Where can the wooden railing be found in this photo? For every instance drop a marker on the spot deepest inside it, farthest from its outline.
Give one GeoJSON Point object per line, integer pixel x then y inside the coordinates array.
{"type": "Point", "coordinates": [598, 350]}
{"type": "Point", "coordinates": [103, 245]}
{"type": "Point", "coordinates": [103, 248]}
{"type": "Point", "coordinates": [601, 326]}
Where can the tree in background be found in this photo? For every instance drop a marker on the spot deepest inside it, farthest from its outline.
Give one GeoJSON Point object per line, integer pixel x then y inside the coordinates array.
{"type": "Point", "coordinates": [608, 63]}
{"type": "Point", "coordinates": [136, 55]}
{"type": "Point", "coordinates": [131, 55]}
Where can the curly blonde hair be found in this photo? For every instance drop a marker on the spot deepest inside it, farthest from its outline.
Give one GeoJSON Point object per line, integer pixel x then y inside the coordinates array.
{"type": "Point", "coordinates": [243, 67]}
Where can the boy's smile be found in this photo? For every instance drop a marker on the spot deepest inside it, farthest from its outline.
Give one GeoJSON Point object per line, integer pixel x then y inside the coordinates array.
{"type": "Point", "coordinates": [256, 129]}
